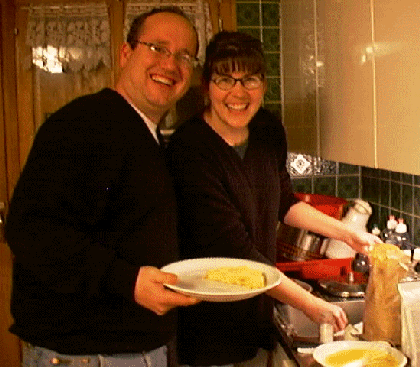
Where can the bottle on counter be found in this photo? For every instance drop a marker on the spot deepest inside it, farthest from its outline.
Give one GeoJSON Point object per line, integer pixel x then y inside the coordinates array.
{"type": "Point", "coordinates": [390, 228]}
{"type": "Point", "coordinates": [400, 237]}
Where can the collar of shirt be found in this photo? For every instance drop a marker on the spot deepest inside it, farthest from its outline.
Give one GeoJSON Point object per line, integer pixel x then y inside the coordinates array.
{"type": "Point", "coordinates": [149, 123]}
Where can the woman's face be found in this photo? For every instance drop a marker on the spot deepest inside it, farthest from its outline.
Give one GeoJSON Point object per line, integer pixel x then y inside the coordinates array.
{"type": "Point", "coordinates": [234, 108]}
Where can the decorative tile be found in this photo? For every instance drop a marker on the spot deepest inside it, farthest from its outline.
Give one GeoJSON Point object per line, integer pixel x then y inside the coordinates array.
{"type": "Point", "coordinates": [348, 187]}
{"type": "Point", "coordinates": [325, 185]}
{"type": "Point", "coordinates": [247, 14]}
{"type": "Point", "coordinates": [323, 167]}
{"type": "Point", "coordinates": [300, 165]}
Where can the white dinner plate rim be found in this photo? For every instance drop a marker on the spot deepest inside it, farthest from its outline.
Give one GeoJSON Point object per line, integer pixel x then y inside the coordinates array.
{"type": "Point", "coordinates": [214, 262]}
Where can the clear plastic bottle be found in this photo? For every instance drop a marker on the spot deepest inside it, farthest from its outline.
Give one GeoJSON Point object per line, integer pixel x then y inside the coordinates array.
{"type": "Point", "coordinates": [389, 230]}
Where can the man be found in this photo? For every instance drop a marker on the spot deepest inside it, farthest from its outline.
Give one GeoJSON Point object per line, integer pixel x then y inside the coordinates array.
{"type": "Point", "coordinates": [92, 217]}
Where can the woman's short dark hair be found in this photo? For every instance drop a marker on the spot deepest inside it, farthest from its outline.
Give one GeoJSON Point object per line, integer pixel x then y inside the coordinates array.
{"type": "Point", "coordinates": [138, 22]}
{"type": "Point", "coordinates": [228, 52]}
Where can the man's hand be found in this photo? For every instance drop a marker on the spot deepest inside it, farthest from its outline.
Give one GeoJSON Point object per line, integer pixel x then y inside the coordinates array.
{"type": "Point", "coordinates": [151, 293]}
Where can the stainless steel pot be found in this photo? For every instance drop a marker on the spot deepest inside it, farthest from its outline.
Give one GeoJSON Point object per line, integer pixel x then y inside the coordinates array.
{"type": "Point", "coordinates": [299, 244]}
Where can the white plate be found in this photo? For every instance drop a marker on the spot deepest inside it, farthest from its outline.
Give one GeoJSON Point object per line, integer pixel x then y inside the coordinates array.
{"type": "Point", "coordinates": [323, 351]}
{"type": "Point", "coordinates": [191, 279]}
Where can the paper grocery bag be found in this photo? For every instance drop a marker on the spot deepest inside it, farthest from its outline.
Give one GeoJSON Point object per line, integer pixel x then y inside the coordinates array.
{"type": "Point", "coordinates": [382, 316]}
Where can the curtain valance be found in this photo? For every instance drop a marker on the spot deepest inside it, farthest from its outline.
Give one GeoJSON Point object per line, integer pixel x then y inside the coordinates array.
{"type": "Point", "coordinates": [79, 33]}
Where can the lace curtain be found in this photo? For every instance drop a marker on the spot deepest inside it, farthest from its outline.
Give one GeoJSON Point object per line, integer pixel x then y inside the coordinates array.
{"type": "Point", "coordinates": [75, 36]}
{"type": "Point", "coordinates": [197, 10]}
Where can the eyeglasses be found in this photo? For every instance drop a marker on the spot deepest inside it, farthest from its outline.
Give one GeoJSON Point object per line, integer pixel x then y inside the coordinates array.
{"type": "Point", "coordinates": [226, 82]}
{"type": "Point", "coordinates": [183, 58]}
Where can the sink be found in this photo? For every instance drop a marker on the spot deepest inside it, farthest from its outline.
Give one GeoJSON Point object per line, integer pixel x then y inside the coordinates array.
{"type": "Point", "coordinates": [300, 326]}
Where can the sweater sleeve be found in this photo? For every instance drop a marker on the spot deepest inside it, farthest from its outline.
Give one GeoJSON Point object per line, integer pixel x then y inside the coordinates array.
{"type": "Point", "coordinates": [59, 208]}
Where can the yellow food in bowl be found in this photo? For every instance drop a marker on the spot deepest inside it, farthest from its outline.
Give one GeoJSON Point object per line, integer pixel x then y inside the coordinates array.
{"type": "Point", "coordinates": [238, 275]}
{"type": "Point", "coordinates": [362, 357]}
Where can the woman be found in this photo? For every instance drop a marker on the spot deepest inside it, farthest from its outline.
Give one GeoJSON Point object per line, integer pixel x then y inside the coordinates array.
{"type": "Point", "coordinates": [229, 170]}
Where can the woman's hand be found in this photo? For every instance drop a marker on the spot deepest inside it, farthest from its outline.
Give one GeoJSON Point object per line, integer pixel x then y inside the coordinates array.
{"type": "Point", "coordinates": [362, 241]}
{"type": "Point", "coordinates": [322, 311]}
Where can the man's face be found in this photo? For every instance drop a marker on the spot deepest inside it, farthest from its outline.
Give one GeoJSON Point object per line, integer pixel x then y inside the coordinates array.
{"type": "Point", "coordinates": [151, 81]}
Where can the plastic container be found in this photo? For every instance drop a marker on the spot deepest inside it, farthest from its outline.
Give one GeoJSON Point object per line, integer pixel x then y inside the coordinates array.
{"type": "Point", "coordinates": [357, 218]}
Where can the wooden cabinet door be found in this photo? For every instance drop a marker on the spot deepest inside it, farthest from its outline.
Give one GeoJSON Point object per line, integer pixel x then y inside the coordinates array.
{"type": "Point", "coordinates": [9, 343]}
{"type": "Point", "coordinates": [397, 50]}
{"type": "Point", "coordinates": [347, 102]}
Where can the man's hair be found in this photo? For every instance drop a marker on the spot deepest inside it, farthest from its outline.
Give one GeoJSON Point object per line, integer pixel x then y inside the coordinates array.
{"type": "Point", "coordinates": [228, 52]}
{"type": "Point", "coordinates": [138, 23]}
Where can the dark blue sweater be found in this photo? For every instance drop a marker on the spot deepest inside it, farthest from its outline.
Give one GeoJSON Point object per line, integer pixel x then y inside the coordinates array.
{"type": "Point", "coordinates": [93, 204]}
{"type": "Point", "coordinates": [229, 207]}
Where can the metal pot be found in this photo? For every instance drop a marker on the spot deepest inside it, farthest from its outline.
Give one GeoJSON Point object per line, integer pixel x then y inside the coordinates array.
{"type": "Point", "coordinates": [299, 244]}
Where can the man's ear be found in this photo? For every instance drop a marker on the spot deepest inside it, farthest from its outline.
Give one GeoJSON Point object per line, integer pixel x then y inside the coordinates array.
{"type": "Point", "coordinates": [125, 53]}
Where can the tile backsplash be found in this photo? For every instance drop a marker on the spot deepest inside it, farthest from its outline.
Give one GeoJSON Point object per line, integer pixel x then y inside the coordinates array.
{"type": "Point", "coordinates": [387, 192]}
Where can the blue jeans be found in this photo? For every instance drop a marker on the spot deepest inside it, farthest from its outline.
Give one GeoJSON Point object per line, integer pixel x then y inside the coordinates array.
{"type": "Point", "coordinates": [42, 357]}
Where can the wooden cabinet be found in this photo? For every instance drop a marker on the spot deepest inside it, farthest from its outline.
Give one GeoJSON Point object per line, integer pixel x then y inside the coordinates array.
{"type": "Point", "coordinates": [397, 84]}
{"type": "Point", "coordinates": [369, 105]}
